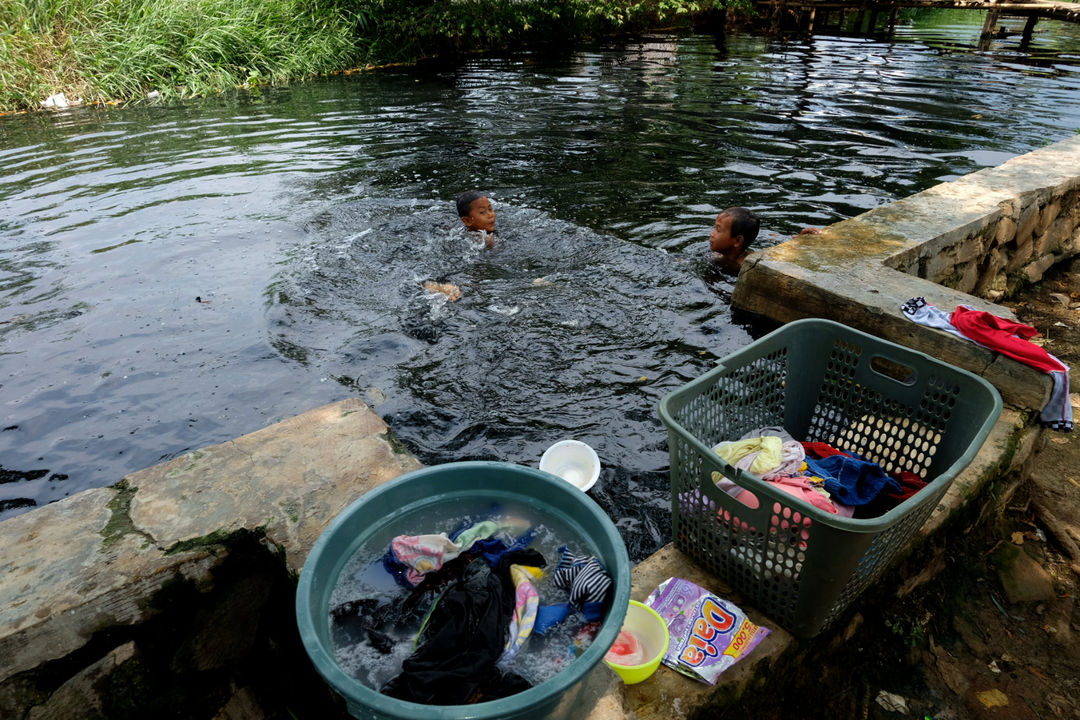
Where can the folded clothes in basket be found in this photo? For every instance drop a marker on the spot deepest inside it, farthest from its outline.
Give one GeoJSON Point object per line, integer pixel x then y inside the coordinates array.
{"type": "Point", "coordinates": [815, 472]}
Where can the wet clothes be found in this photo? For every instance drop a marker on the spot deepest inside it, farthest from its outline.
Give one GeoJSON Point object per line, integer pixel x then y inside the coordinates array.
{"type": "Point", "coordinates": [818, 450]}
{"type": "Point", "coordinates": [588, 584]}
{"type": "Point", "coordinates": [757, 455]}
{"type": "Point", "coordinates": [768, 452]}
{"type": "Point", "coordinates": [1013, 339]}
{"type": "Point", "coordinates": [410, 557]}
{"type": "Point", "coordinates": [804, 488]}
{"type": "Point", "coordinates": [526, 603]}
{"type": "Point", "coordinates": [583, 576]}
{"type": "Point", "coordinates": [852, 480]}
{"type": "Point", "coordinates": [370, 620]}
{"type": "Point", "coordinates": [463, 637]}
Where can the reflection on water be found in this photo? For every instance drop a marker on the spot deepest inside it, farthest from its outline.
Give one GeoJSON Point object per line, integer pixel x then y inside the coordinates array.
{"type": "Point", "coordinates": [305, 219]}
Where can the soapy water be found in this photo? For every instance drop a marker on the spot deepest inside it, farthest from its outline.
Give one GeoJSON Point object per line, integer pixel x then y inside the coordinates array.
{"type": "Point", "coordinates": [363, 578]}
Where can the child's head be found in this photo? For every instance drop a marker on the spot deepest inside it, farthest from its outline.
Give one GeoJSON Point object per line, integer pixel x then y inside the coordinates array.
{"type": "Point", "coordinates": [734, 230]}
{"type": "Point", "coordinates": [476, 212]}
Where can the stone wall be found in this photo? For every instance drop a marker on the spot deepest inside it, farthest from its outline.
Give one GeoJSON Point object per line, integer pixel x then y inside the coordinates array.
{"type": "Point", "coordinates": [1019, 243]}
{"type": "Point", "coordinates": [171, 594]}
{"type": "Point", "coordinates": [969, 241]}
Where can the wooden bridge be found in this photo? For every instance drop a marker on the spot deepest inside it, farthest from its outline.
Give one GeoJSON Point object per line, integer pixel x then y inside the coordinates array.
{"type": "Point", "coordinates": [808, 14]}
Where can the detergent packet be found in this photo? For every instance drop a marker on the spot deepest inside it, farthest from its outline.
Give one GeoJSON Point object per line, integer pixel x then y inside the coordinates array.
{"type": "Point", "coordinates": [708, 634]}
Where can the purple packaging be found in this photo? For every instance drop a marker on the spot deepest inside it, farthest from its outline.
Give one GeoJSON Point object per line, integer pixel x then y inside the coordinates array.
{"type": "Point", "coordinates": [708, 634]}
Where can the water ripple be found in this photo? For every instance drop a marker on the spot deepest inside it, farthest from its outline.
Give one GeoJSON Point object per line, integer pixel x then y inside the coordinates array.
{"type": "Point", "coordinates": [304, 219]}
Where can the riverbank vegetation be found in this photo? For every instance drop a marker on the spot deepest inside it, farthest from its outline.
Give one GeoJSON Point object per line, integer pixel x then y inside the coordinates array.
{"type": "Point", "coordinates": [94, 51]}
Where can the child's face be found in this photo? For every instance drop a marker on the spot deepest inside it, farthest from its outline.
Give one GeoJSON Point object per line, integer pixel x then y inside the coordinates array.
{"type": "Point", "coordinates": [481, 216]}
{"type": "Point", "coordinates": [720, 239]}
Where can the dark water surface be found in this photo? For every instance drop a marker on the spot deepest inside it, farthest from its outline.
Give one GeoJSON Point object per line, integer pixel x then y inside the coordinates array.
{"type": "Point", "coordinates": [306, 218]}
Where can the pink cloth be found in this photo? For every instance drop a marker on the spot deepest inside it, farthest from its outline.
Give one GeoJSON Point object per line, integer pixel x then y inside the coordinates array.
{"type": "Point", "coordinates": [423, 553]}
{"type": "Point", "coordinates": [801, 487]}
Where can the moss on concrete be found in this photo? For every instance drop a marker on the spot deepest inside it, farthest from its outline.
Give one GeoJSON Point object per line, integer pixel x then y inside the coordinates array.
{"type": "Point", "coordinates": [218, 539]}
{"type": "Point", "coordinates": [120, 522]}
{"type": "Point", "coordinates": [292, 511]}
{"type": "Point", "coordinates": [395, 444]}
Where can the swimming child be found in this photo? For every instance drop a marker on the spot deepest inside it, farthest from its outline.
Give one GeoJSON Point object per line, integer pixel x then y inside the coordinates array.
{"type": "Point", "coordinates": [478, 215]}
{"type": "Point", "coordinates": [731, 236]}
{"type": "Point", "coordinates": [476, 212]}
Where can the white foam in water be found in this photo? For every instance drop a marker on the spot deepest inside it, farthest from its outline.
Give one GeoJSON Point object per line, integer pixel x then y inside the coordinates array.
{"type": "Point", "coordinates": [545, 656]}
{"type": "Point", "coordinates": [364, 577]}
{"type": "Point", "coordinates": [370, 666]}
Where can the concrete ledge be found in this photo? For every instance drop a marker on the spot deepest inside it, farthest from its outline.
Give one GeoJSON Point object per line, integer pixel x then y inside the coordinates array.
{"type": "Point", "coordinates": [97, 561]}
{"type": "Point", "coordinates": [983, 233]}
{"type": "Point", "coordinates": [288, 480]}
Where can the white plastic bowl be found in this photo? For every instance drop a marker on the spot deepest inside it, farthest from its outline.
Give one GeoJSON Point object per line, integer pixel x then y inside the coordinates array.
{"type": "Point", "coordinates": [573, 461]}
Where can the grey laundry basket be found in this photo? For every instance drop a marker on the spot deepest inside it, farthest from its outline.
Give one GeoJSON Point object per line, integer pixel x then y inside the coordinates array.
{"type": "Point", "coordinates": [822, 381]}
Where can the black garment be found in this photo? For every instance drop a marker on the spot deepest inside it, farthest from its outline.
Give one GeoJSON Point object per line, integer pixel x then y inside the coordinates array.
{"type": "Point", "coordinates": [370, 619]}
{"type": "Point", "coordinates": [464, 637]}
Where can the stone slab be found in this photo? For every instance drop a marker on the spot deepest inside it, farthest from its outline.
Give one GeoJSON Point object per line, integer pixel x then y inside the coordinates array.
{"type": "Point", "coordinates": [869, 298]}
{"type": "Point", "coordinates": [80, 697]}
{"type": "Point", "coordinates": [93, 560]}
{"type": "Point", "coordinates": [289, 480]}
{"type": "Point", "coordinates": [1009, 443]}
{"type": "Point", "coordinates": [667, 694]}
{"type": "Point", "coordinates": [63, 576]}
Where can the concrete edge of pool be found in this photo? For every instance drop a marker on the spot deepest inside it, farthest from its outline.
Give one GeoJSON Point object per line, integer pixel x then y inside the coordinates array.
{"type": "Point", "coordinates": [969, 241]}
{"type": "Point", "coordinates": [169, 567]}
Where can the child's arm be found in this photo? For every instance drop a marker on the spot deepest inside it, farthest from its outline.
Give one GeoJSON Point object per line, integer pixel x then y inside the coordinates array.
{"type": "Point", "coordinates": [450, 290]}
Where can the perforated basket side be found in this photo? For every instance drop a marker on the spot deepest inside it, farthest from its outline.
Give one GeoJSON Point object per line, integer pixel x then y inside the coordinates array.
{"type": "Point", "coordinates": [821, 381]}
{"type": "Point", "coordinates": [783, 557]}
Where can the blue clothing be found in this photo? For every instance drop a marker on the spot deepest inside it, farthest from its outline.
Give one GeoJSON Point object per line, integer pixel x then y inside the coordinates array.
{"type": "Point", "coordinates": [852, 480]}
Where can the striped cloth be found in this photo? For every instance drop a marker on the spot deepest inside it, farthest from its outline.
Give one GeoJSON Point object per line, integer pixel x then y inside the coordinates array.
{"type": "Point", "coordinates": [583, 576]}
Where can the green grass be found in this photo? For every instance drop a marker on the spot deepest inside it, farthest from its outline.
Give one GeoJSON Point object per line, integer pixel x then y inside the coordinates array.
{"type": "Point", "coordinates": [105, 50]}
{"type": "Point", "coordinates": [120, 49]}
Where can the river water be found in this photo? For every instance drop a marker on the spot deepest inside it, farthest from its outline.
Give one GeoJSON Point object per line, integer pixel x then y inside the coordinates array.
{"type": "Point", "coordinates": [173, 276]}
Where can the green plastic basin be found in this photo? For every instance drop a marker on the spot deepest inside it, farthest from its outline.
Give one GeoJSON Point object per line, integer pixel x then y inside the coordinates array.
{"type": "Point", "coordinates": [570, 694]}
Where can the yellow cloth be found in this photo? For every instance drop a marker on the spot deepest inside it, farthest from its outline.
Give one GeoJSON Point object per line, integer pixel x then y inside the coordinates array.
{"type": "Point", "coordinates": [521, 573]}
{"type": "Point", "coordinates": [768, 449]}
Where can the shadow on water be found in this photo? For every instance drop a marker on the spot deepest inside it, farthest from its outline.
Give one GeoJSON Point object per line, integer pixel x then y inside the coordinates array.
{"type": "Point", "coordinates": [559, 332]}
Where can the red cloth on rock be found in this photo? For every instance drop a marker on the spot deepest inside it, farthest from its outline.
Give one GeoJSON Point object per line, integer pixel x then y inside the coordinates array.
{"type": "Point", "coordinates": [1008, 337]}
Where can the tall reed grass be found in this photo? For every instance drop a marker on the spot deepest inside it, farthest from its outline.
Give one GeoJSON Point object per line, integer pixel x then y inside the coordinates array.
{"type": "Point", "coordinates": [120, 49]}
{"type": "Point", "coordinates": [99, 50]}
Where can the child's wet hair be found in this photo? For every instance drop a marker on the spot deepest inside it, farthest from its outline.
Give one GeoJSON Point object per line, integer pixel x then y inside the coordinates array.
{"type": "Point", "coordinates": [743, 222]}
{"type": "Point", "coordinates": [465, 201]}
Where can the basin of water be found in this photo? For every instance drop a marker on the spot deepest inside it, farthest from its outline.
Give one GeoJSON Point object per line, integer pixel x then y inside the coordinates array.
{"type": "Point", "coordinates": [420, 500]}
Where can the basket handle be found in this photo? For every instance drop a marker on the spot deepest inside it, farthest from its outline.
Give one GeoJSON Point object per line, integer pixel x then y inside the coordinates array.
{"type": "Point", "coordinates": [895, 370]}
